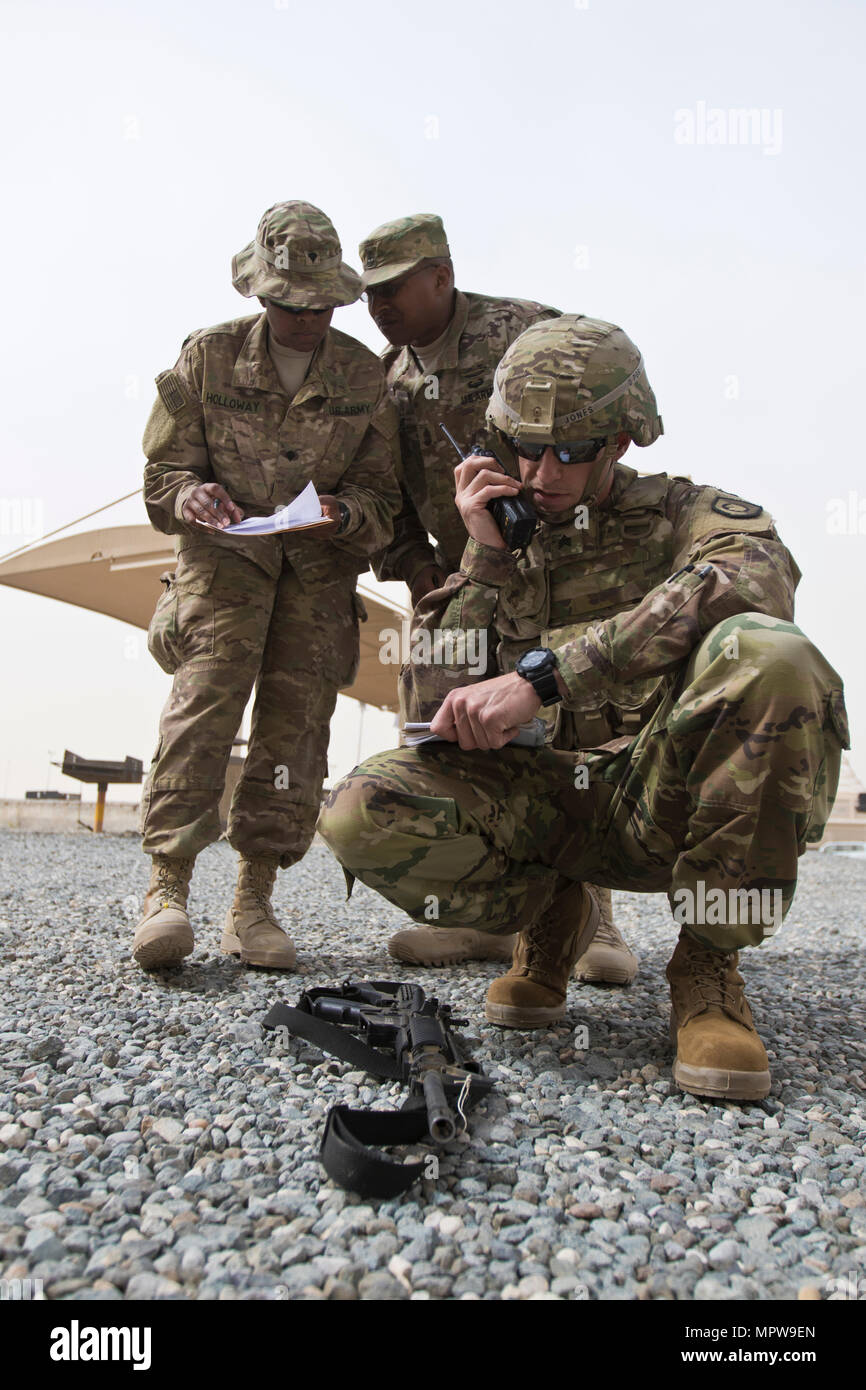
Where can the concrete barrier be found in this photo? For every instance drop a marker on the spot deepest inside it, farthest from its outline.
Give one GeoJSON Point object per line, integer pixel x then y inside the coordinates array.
{"type": "Point", "coordinates": [52, 816]}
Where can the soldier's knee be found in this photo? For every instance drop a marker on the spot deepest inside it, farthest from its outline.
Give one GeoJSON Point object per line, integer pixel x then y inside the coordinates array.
{"type": "Point", "coordinates": [772, 649]}
{"type": "Point", "coordinates": [348, 815]}
{"type": "Point", "coordinates": [342, 815]}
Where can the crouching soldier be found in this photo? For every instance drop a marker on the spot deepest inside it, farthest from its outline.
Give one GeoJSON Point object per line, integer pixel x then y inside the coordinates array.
{"type": "Point", "coordinates": [445, 345]}
{"type": "Point", "coordinates": [253, 411]}
{"type": "Point", "coordinates": [694, 732]}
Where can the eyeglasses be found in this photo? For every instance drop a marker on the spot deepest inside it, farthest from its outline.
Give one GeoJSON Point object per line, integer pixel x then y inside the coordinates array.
{"type": "Point", "coordinates": [579, 451]}
{"type": "Point", "coordinates": [390, 288]}
{"type": "Point", "coordinates": [292, 309]}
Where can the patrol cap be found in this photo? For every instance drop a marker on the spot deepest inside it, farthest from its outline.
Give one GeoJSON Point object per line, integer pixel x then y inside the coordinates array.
{"type": "Point", "coordinates": [297, 260]}
{"type": "Point", "coordinates": [398, 247]}
{"type": "Point", "coordinates": [573, 378]}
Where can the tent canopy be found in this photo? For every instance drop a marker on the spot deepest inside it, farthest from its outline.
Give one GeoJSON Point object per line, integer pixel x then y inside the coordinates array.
{"type": "Point", "coordinates": [115, 570]}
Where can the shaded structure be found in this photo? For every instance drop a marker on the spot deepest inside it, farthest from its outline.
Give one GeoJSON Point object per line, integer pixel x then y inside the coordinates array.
{"type": "Point", "coordinates": [88, 770]}
{"type": "Point", "coordinates": [116, 570]}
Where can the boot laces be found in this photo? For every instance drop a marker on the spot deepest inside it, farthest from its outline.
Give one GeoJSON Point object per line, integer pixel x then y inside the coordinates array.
{"type": "Point", "coordinates": [169, 878]}
{"type": "Point", "coordinates": [259, 885]}
{"type": "Point", "coordinates": [708, 975]}
{"type": "Point", "coordinates": [540, 954]}
{"type": "Point", "coordinates": [263, 900]}
{"type": "Point", "coordinates": [606, 932]}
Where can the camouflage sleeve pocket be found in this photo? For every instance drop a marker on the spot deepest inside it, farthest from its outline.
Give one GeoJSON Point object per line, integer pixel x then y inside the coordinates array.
{"type": "Point", "coordinates": [347, 640]}
{"type": "Point", "coordinates": [162, 633]}
{"type": "Point", "coordinates": [838, 716]}
{"type": "Point", "coordinates": [182, 626]}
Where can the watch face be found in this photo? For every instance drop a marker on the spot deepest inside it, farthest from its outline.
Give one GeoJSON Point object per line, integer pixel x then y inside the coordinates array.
{"type": "Point", "coordinates": [534, 660]}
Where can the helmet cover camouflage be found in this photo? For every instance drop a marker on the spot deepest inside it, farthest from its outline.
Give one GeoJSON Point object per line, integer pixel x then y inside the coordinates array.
{"type": "Point", "coordinates": [296, 260]}
{"type": "Point", "coordinates": [573, 378]}
{"type": "Point", "coordinates": [397, 247]}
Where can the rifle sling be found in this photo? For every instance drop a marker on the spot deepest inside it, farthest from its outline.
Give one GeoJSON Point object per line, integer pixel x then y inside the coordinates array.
{"type": "Point", "coordinates": [347, 1156]}
{"type": "Point", "coordinates": [333, 1038]}
{"type": "Point", "coordinates": [346, 1153]}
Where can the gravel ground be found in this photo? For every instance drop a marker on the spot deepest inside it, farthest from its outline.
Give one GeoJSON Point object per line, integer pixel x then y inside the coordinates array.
{"type": "Point", "coordinates": [153, 1145]}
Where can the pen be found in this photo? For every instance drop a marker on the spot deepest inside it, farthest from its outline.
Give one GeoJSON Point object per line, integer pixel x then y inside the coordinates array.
{"type": "Point", "coordinates": [687, 569]}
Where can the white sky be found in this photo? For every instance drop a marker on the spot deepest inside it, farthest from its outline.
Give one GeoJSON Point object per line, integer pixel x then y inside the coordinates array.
{"type": "Point", "coordinates": [145, 139]}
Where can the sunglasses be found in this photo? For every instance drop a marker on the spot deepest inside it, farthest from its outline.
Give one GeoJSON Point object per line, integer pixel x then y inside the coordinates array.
{"type": "Point", "coordinates": [292, 309]}
{"type": "Point", "coordinates": [580, 451]}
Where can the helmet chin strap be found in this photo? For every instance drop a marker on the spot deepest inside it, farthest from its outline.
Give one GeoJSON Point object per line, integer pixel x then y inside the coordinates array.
{"type": "Point", "coordinates": [602, 466]}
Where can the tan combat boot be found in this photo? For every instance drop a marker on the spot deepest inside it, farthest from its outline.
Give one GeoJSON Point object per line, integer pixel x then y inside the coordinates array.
{"type": "Point", "coordinates": [163, 935]}
{"type": "Point", "coordinates": [251, 930]}
{"type": "Point", "coordinates": [718, 1051]}
{"type": "Point", "coordinates": [448, 945]}
{"type": "Point", "coordinates": [532, 994]}
{"type": "Point", "coordinates": [608, 960]}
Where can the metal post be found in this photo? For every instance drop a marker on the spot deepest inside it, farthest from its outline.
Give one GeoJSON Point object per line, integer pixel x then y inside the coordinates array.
{"type": "Point", "coordinates": [362, 712]}
{"type": "Point", "coordinates": [99, 814]}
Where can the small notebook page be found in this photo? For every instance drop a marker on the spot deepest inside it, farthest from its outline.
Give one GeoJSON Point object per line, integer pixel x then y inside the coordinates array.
{"type": "Point", "coordinates": [529, 735]}
{"type": "Point", "coordinates": [304, 511]}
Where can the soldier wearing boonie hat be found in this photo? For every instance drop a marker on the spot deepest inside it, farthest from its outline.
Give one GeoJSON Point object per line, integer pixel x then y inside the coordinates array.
{"type": "Point", "coordinates": [296, 259]}
{"type": "Point", "coordinates": [253, 411]}
{"type": "Point", "coordinates": [445, 344]}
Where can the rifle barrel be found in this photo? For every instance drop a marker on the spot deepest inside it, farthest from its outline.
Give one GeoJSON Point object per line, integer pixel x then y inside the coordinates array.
{"type": "Point", "coordinates": [440, 1118]}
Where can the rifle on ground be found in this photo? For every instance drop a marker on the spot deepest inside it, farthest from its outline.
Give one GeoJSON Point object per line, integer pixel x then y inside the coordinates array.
{"type": "Point", "coordinates": [401, 1035]}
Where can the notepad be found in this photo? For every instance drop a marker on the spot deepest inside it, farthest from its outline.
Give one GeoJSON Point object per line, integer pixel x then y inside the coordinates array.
{"type": "Point", "coordinates": [302, 514]}
{"type": "Point", "coordinates": [529, 735]}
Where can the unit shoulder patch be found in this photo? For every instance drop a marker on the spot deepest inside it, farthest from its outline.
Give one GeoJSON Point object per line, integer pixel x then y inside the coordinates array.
{"type": "Point", "coordinates": [735, 507]}
{"type": "Point", "coordinates": [170, 390]}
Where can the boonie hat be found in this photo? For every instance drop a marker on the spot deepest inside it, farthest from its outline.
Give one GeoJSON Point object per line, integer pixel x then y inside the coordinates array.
{"type": "Point", "coordinates": [296, 259]}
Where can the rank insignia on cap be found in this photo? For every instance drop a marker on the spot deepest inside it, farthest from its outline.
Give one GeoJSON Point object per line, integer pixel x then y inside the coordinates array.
{"type": "Point", "coordinates": [735, 507]}
{"type": "Point", "coordinates": [169, 388]}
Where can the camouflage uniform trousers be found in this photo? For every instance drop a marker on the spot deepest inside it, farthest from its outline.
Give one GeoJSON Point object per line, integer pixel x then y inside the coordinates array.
{"type": "Point", "coordinates": [222, 627]}
{"type": "Point", "coordinates": [733, 775]}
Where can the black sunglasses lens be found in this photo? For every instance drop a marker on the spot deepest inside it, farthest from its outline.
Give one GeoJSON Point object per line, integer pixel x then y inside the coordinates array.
{"type": "Point", "coordinates": [583, 451]}
{"type": "Point", "coordinates": [533, 452]}
{"type": "Point", "coordinates": [580, 452]}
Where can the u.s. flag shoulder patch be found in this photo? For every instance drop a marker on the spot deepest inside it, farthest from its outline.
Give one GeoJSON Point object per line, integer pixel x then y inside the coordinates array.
{"type": "Point", "coordinates": [171, 392]}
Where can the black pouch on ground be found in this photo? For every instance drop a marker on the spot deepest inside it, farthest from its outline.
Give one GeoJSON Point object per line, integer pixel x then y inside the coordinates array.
{"type": "Point", "coordinates": [390, 1030]}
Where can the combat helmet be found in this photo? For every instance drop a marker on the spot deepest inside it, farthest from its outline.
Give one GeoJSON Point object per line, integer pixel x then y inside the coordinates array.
{"type": "Point", "coordinates": [573, 378]}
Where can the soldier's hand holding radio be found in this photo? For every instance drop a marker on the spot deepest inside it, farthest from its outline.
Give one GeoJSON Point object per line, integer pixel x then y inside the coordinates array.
{"type": "Point", "coordinates": [480, 478]}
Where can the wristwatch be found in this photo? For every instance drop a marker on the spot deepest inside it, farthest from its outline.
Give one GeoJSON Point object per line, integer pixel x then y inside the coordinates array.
{"type": "Point", "coordinates": [344, 517]}
{"type": "Point", "coordinates": [539, 668]}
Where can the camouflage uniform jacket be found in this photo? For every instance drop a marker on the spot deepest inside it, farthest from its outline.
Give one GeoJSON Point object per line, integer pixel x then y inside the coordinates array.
{"type": "Point", "coordinates": [455, 394]}
{"type": "Point", "coordinates": [622, 602]}
{"type": "Point", "coordinates": [222, 416]}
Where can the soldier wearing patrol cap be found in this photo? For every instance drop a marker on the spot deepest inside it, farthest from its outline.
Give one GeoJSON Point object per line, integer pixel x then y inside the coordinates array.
{"type": "Point", "coordinates": [445, 344]}
{"type": "Point", "coordinates": [694, 732]}
{"type": "Point", "coordinates": [252, 412]}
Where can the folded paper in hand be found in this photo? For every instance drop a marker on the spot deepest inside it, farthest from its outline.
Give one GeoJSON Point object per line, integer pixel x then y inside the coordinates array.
{"type": "Point", "coordinates": [302, 514]}
{"type": "Point", "coordinates": [529, 735]}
